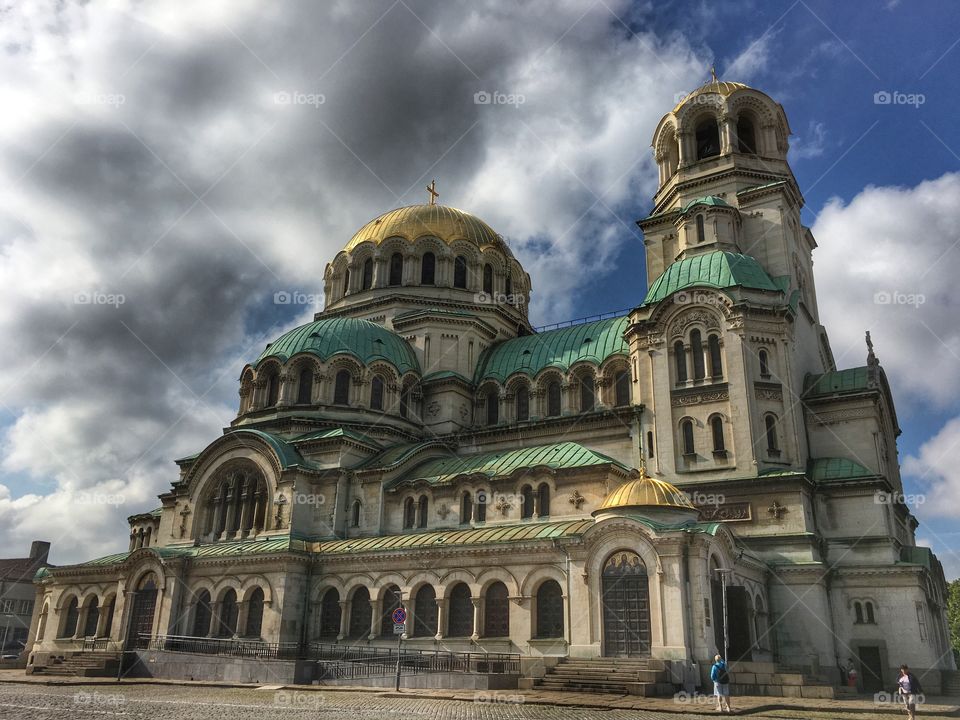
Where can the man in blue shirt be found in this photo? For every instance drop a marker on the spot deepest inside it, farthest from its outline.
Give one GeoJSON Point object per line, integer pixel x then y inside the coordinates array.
{"type": "Point", "coordinates": [721, 684]}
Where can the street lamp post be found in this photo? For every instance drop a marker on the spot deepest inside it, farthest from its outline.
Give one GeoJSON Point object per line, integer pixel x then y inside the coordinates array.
{"type": "Point", "coordinates": [724, 572]}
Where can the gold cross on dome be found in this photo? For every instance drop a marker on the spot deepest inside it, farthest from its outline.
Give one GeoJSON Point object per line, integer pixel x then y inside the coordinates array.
{"type": "Point", "coordinates": [432, 189]}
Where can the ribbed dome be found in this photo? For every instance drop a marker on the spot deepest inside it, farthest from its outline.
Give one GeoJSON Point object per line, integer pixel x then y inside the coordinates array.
{"type": "Point", "coordinates": [362, 339]}
{"type": "Point", "coordinates": [719, 87]}
{"type": "Point", "coordinates": [444, 223]}
{"type": "Point", "coordinates": [646, 492]}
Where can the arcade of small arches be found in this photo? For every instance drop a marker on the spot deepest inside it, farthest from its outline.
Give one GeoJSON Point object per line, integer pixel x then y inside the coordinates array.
{"type": "Point", "coordinates": [533, 501]}
{"type": "Point", "coordinates": [236, 504]}
{"type": "Point", "coordinates": [428, 262]}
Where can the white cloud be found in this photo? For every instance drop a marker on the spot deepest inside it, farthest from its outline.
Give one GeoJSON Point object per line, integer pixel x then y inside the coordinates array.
{"type": "Point", "coordinates": [934, 468]}
{"type": "Point", "coordinates": [810, 145]}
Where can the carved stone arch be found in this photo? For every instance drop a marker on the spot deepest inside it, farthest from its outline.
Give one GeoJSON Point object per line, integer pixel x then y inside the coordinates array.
{"type": "Point", "coordinates": [389, 373]}
{"type": "Point", "coordinates": [383, 582]}
{"type": "Point", "coordinates": [430, 243]}
{"type": "Point", "coordinates": [680, 326]}
{"type": "Point", "coordinates": [763, 109]}
{"type": "Point", "coordinates": [487, 386]}
{"type": "Point", "coordinates": [497, 574]}
{"type": "Point", "coordinates": [692, 114]}
{"type": "Point", "coordinates": [91, 593]}
{"type": "Point", "coordinates": [222, 479]}
{"type": "Point", "coordinates": [225, 584]}
{"type": "Point", "coordinates": [197, 585]}
{"type": "Point", "coordinates": [253, 582]}
{"type": "Point", "coordinates": [548, 374]}
{"type": "Point", "coordinates": [515, 382]}
{"type": "Point", "coordinates": [666, 135]}
{"type": "Point", "coordinates": [495, 258]}
{"type": "Point", "coordinates": [344, 361]}
{"type": "Point", "coordinates": [269, 365]}
{"type": "Point", "coordinates": [418, 581]}
{"type": "Point", "coordinates": [66, 595]}
{"type": "Point", "coordinates": [467, 249]}
{"type": "Point", "coordinates": [394, 244]}
{"type": "Point", "coordinates": [535, 578]}
{"type": "Point", "coordinates": [324, 583]}
{"type": "Point", "coordinates": [354, 583]}
{"type": "Point", "coordinates": [453, 578]}
{"type": "Point", "coordinates": [609, 367]}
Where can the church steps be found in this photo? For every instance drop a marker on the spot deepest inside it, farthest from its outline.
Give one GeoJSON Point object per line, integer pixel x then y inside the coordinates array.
{"type": "Point", "coordinates": [627, 676]}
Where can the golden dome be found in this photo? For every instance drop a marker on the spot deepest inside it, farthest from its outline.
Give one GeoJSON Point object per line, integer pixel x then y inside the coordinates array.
{"type": "Point", "coordinates": [722, 88]}
{"type": "Point", "coordinates": [646, 492]}
{"type": "Point", "coordinates": [440, 221]}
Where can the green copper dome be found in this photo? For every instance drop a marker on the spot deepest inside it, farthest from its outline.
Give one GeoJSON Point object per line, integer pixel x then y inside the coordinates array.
{"type": "Point", "coordinates": [708, 200]}
{"type": "Point", "coordinates": [364, 340]}
{"type": "Point", "coordinates": [720, 270]}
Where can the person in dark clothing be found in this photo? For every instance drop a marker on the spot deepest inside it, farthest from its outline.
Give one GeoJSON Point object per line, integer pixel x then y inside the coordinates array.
{"type": "Point", "coordinates": [909, 689]}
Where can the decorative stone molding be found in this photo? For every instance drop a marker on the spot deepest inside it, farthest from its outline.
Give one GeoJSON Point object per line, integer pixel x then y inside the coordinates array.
{"type": "Point", "coordinates": [696, 398]}
{"type": "Point", "coordinates": [726, 512]}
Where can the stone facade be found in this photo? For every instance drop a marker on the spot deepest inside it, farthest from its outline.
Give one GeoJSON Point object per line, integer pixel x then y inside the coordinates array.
{"type": "Point", "coordinates": [578, 492]}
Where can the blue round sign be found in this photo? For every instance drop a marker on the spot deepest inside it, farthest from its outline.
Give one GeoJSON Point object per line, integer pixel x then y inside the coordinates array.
{"type": "Point", "coordinates": [399, 616]}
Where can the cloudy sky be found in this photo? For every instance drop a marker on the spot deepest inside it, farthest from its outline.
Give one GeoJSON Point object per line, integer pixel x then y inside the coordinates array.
{"type": "Point", "coordinates": [166, 169]}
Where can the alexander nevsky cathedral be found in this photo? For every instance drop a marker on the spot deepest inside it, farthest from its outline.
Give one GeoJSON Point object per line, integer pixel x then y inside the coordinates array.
{"type": "Point", "coordinates": [599, 495]}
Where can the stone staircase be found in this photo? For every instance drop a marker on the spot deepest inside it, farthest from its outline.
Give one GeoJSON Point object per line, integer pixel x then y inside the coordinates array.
{"type": "Point", "coordinates": [624, 676]}
{"type": "Point", "coordinates": [81, 664]}
{"type": "Point", "coordinates": [951, 682]}
{"type": "Point", "coordinates": [767, 678]}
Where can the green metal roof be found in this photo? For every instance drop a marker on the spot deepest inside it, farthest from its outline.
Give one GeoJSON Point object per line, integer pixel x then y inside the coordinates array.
{"type": "Point", "coordinates": [445, 375]}
{"type": "Point", "coordinates": [718, 269]}
{"type": "Point", "coordinates": [288, 455]}
{"type": "Point", "coordinates": [448, 538]}
{"type": "Point", "coordinates": [849, 380]}
{"type": "Point", "coordinates": [595, 341]}
{"type": "Point", "coordinates": [329, 433]}
{"type": "Point", "coordinates": [822, 469]}
{"type": "Point", "coordinates": [362, 339]}
{"type": "Point", "coordinates": [438, 471]}
{"type": "Point", "coordinates": [709, 200]}
{"type": "Point", "coordinates": [917, 556]}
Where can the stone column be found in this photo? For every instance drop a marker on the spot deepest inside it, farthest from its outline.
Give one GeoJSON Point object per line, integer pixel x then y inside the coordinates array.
{"type": "Point", "coordinates": [477, 617]}
{"type": "Point", "coordinates": [441, 618]}
{"type": "Point", "coordinates": [376, 613]}
{"type": "Point", "coordinates": [243, 608]}
{"type": "Point", "coordinates": [214, 618]}
{"type": "Point", "coordinates": [344, 619]}
{"type": "Point", "coordinates": [102, 620]}
{"type": "Point", "coordinates": [683, 145]}
{"type": "Point", "coordinates": [726, 135]}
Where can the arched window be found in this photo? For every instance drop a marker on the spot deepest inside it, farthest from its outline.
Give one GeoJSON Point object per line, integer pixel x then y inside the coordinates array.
{"type": "Point", "coordinates": [425, 612]}
{"type": "Point", "coordinates": [649, 444]}
{"type": "Point", "coordinates": [346, 282]}
{"type": "Point", "coordinates": [108, 625]}
{"type": "Point", "coordinates": [93, 617]}
{"type": "Point", "coordinates": [764, 363]}
{"type": "Point", "coordinates": [236, 506]}
{"type": "Point", "coordinates": [496, 611]}
{"type": "Point", "coordinates": [460, 272]}
{"type": "Point", "coordinates": [708, 138]}
{"type": "Point", "coordinates": [254, 614]}
{"type": "Point", "coordinates": [493, 407]}
{"type": "Point", "coordinates": [466, 508]}
{"type": "Point", "coordinates": [481, 509]}
{"type": "Point", "coordinates": [273, 389]}
{"type": "Point", "coordinates": [543, 500]}
{"type": "Point", "coordinates": [460, 623]}
{"type": "Point", "coordinates": [701, 235]}
{"type": "Point", "coordinates": [587, 399]}
{"type": "Point", "coordinates": [355, 514]}
{"type": "Point", "coordinates": [367, 278]}
{"type": "Point", "coordinates": [773, 445]}
{"type": "Point", "coordinates": [422, 511]}
{"type": "Point", "coordinates": [746, 137]}
{"type": "Point", "coordinates": [409, 513]}
{"type": "Point", "coordinates": [227, 620]}
{"type": "Point", "coordinates": [72, 617]}
{"type": "Point", "coordinates": [686, 430]}
{"type": "Point", "coordinates": [488, 279]}
{"type": "Point", "coordinates": [523, 403]}
{"type": "Point", "coordinates": [716, 362]}
{"type": "Point", "coordinates": [202, 615]}
{"type": "Point", "coordinates": [553, 398]}
{"type": "Point", "coordinates": [858, 611]}
{"type": "Point", "coordinates": [871, 618]}
{"type": "Point", "coordinates": [405, 402]}
{"type": "Point", "coordinates": [396, 269]}
{"type": "Point", "coordinates": [526, 508]}
{"type": "Point", "coordinates": [391, 601]}
{"type": "Point", "coordinates": [361, 614]}
{"type": "Point", "coordinates": [428, 265]}
{"type": "Point", "coordinates": [680, 359]}
{"type": "Point", "coordinates": [341, 388]}
{"type": "Point", "coordinates": [696, 350]}
{"type": "Point", "coordinates": [305, 386]}
{"type": "Point", "coordinates": [330, 614]}
{"type": "Point", "coordinates": [621, 388]}
{"type": "Point", "coordinates": [716, 428]}
{"type": "Point", "coordinates": [376, 393]}
{"type": "Point", "coordinates": [549, 610]}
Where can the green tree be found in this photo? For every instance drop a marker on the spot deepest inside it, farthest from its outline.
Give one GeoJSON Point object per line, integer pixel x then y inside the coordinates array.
{"type": "Point", "coordinates": [953, 616]}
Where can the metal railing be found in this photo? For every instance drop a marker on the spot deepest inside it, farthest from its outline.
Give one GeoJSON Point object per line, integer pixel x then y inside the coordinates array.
{"type": "Point", "coordinates": [94, 644]}
{"type": "Point", "coordinates": [341, 661]}
{"type": "Point", "coordinates": [582, 320]}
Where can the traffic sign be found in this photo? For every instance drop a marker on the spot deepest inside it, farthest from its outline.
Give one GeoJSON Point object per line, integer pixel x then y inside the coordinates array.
{"type": "Point", "coordinates": [399, 628]}
{"type": "Point", "coordinates": [399, 616]}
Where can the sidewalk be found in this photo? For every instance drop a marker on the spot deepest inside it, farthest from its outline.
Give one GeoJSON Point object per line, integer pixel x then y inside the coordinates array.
{"type": "Point", "coordinates": [746, 705]}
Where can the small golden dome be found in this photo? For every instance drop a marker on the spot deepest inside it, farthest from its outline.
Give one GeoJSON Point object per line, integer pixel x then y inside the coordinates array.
{"type": "Point", "coordinates": [440, 221]}
{"type": "Point", "coordinates": [722, 88]}
{"type": "Point", "coordinates": [646, 492]}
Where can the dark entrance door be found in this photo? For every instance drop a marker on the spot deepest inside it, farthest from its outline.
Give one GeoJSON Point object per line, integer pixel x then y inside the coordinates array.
{"type": "Point", "coordinates": [626, 606]}
{"type": "Point", "coordinates": [738, 609]}
{"type": "Point", "coordinates": [144, 605]}
{"type": "Point", "coordinates": [871, 669]}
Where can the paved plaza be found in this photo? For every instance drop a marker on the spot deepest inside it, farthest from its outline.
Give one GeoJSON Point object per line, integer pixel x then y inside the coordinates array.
{"type": "Point", "coordinates": [25, 701]}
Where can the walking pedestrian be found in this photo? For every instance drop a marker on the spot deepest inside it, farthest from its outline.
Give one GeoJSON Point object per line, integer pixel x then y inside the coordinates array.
{"type": "Point", "coordinates": [721, 684]}
{"type": "Point", "coordinates": [909, 688]}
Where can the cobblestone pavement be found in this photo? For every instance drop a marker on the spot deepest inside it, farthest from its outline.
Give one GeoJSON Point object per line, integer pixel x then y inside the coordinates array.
{"type": "Point", "coordinates": [25, 702]}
